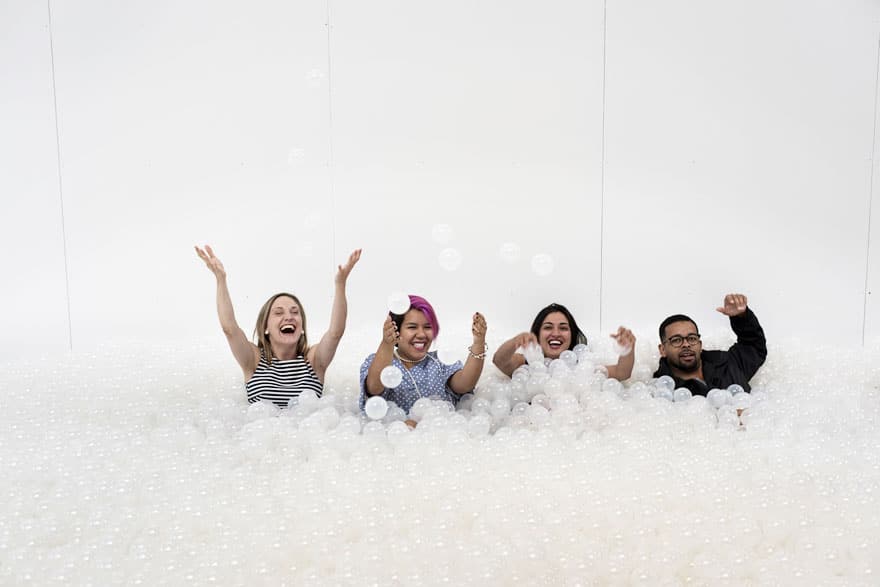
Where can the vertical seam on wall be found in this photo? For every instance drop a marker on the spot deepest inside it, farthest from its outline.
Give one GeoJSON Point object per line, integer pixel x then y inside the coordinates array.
{"type": "Point", "coordinates": [60, 183]}
{"type": "Point", "coordinates": [602, 175]}
{"type": "Point", "coordinates": [330, 169]}
{"type": "Point", "coordinates": [871, 191]}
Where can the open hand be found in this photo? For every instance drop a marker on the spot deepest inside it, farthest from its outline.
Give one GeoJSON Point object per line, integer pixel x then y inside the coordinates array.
{"type": "Point", "coordinates": [626, 340]}
{"type": "Point", "coordinates": [207, 255]}
{"type": "Point", "coordinates": [344, 270]}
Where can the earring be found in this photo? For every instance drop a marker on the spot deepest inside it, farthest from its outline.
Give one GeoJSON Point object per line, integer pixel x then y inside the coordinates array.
{"type": "Point", "coordinates": [266, 333]}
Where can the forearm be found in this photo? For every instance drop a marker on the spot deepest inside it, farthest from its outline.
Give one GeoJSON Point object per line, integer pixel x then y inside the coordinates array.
{"type": "Point", "coordinates": [383, 358]}
{"type": "Point", "coordinates": [465, 380]}
{"type": "Point", "coordinates": [748, 331]}
{"type": "Point", "coordinates": [224, 309]}
{"type": "Point", "coordinates": [339, 313]}
{"type": "Point", "coordinates": [505, 357]}
{"type": "Point", "coordinates": [624, 367]}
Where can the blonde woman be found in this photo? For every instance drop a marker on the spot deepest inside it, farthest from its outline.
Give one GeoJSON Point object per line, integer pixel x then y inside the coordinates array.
{"type": "Point", "coordinates": [282, 364]}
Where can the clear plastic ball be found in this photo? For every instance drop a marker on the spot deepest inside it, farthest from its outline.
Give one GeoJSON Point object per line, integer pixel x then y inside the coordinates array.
{"type": "Point", "coordinates": [509, 253]}
{"type": "Point", "coordinates": [442, 234]}
{"type": "Point", "coordinates": [682, 394]}
{"type": "Point", "coordinates": [665, 381]}
{"type": "Point", "coordinates": [449, 259]}
{"type": "Point", "coordinates": [542, 264]}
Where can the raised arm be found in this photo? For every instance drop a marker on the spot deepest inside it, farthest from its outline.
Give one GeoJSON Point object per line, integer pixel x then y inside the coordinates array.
{"type": "Point", "coordinates": [465, 380]}
{"type": "Point", "coordinates": [245, 352]}
{"type": "Point", "coordinates": [322, 353]}
{"type": "Point", "coordinates": [383, 358]}
{"type": "Point", "coordinates": [750, 349]}
{"type": "Point", "coordinates": [624, 367]}
{"type": "Point", "coordinates": [506, 358]}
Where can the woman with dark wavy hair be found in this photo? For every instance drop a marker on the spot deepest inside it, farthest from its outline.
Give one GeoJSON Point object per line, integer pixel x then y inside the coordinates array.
{"type": "Point", "coordinates": [555, 330]}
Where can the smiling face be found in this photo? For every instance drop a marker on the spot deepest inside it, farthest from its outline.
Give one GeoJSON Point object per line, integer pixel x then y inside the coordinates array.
{"type": "Point", "coordinates": [284, 322]}
{"type": "Point", "coordinates": [416, 336]}
{"type": "Point", "coordinates": [686, 358]}
{"type": "Point", "coordinates": [554, 335]}
{"type": "Point", "coordinates": [281, 327]}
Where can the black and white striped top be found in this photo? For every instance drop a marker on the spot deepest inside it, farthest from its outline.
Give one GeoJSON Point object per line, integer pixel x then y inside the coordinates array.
{"type": "Point", "coordinates": [282, 380]}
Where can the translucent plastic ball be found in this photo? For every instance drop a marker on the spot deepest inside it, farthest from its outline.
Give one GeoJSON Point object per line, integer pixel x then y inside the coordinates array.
{"type": "Point", "coordinates": [612, 386]}
{"type": "Point", "coordinates": [374, 429]}
{"type": "Point", "coordinates": [682, 394]}
{"type": "Point", "coordinates": [398, 302]}
{"type": "Point", "coordinates": [447, 355]}
{"type": "Point", "coordinates": [542, 264]}
{"type": "Point", "coordinates": [741, 401]}
{"type": "Point", "coordinates": [558, 368]}
{"type": "Point", "coordinates": [570, 358]}
{"type": "Point", "coordinates": [449, 259]}
{"type": "Point", "coordinates": [665, 381]}
{"type": "Point", "coordinates": [509, 253]}
{"type": "Point", "coordinates": [534, 354]}
{"type": "Point", "coordinates": [499, 409]}
{"type": "Point", "coordinates": [391, 377]}
{"type": "Point", "coordinates": [376, 407]}
{"type": "Point", "coordinates": [580, 350]}
{"type": "Point", "coordinates": [735, 389]}
{"type": "Point", "coordinates": [521, 374]}
{"type": "Point", "coordinates": [420, 408]}
{"type": "Point", "coordinates": [718, 397]}
{"type": "Point", "coordinates": [663, 393]}
{"type": "Point", "coordinates": [442, 234]}
{"type": "Point", "coordinates": [727, 416]}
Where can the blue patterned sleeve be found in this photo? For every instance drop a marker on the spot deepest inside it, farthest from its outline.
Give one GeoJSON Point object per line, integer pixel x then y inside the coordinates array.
{"type": "Point", "coordinates": [449, 371]}
{"type": "Point", "coordinates": [365, 366]}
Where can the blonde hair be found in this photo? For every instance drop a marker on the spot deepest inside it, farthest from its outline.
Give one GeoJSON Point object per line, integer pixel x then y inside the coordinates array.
{"type": "Point", "coordinates": [262, 338]}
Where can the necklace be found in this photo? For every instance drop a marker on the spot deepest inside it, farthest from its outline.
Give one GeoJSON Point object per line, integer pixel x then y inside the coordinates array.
{"type": "Point", "coordinates": [402, 360]}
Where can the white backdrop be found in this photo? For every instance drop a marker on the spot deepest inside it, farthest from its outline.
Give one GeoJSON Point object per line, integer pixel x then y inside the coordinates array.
{"type": "Point", "coordinates": [662, 154]}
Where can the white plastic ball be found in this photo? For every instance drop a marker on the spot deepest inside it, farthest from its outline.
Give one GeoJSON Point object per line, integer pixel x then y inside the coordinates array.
{"type": "Point", "coordinates": [391, 377]}
{"type": "Point", "coordinates": [398, 303]}
{"type": "Point", "coordinates": [376, 407]}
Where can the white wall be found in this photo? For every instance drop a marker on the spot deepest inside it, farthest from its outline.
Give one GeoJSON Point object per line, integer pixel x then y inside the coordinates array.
{"type": "Point", "coordinates": [662, 153]}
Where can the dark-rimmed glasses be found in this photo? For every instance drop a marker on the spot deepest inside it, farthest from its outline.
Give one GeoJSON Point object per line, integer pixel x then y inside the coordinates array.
{"type": "Point", "coordinates": [676, 341]}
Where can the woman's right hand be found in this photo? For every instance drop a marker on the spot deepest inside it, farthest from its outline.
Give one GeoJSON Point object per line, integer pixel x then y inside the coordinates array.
{"type": "Point", "coordinates": [207, 255]}
{"type": "Point", "coordinates": [523, 339]}
{"type": "Point", "coordinates": [390, 335]}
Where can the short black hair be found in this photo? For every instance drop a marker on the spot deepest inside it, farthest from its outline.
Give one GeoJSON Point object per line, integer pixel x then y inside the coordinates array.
{"type": "Point", "coordinates": [675, 318]}
{"type": "Point", "coordinates": [577, 335]}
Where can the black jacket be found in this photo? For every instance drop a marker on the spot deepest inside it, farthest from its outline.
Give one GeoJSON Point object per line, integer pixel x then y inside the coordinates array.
{"type": "Point", "coordinates": [737, 364]}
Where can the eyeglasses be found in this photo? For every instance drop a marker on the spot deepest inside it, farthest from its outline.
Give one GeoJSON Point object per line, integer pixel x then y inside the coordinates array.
{"type": "Point", "coordinates": [677, 341]}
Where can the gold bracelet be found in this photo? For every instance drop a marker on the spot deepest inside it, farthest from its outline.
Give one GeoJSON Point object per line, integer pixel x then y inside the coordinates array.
{"type": "Point", "coordinates": [482, 355]}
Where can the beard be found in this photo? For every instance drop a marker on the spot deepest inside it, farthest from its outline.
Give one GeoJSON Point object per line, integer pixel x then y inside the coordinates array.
{"type": "Point", "coordinates": [686, 367]}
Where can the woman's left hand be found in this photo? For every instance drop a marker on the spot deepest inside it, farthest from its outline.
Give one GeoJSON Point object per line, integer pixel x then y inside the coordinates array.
{"type": "Point", "coordinates": [344, 270]}
{"type": "Point", "coordinates": [478, 328]}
